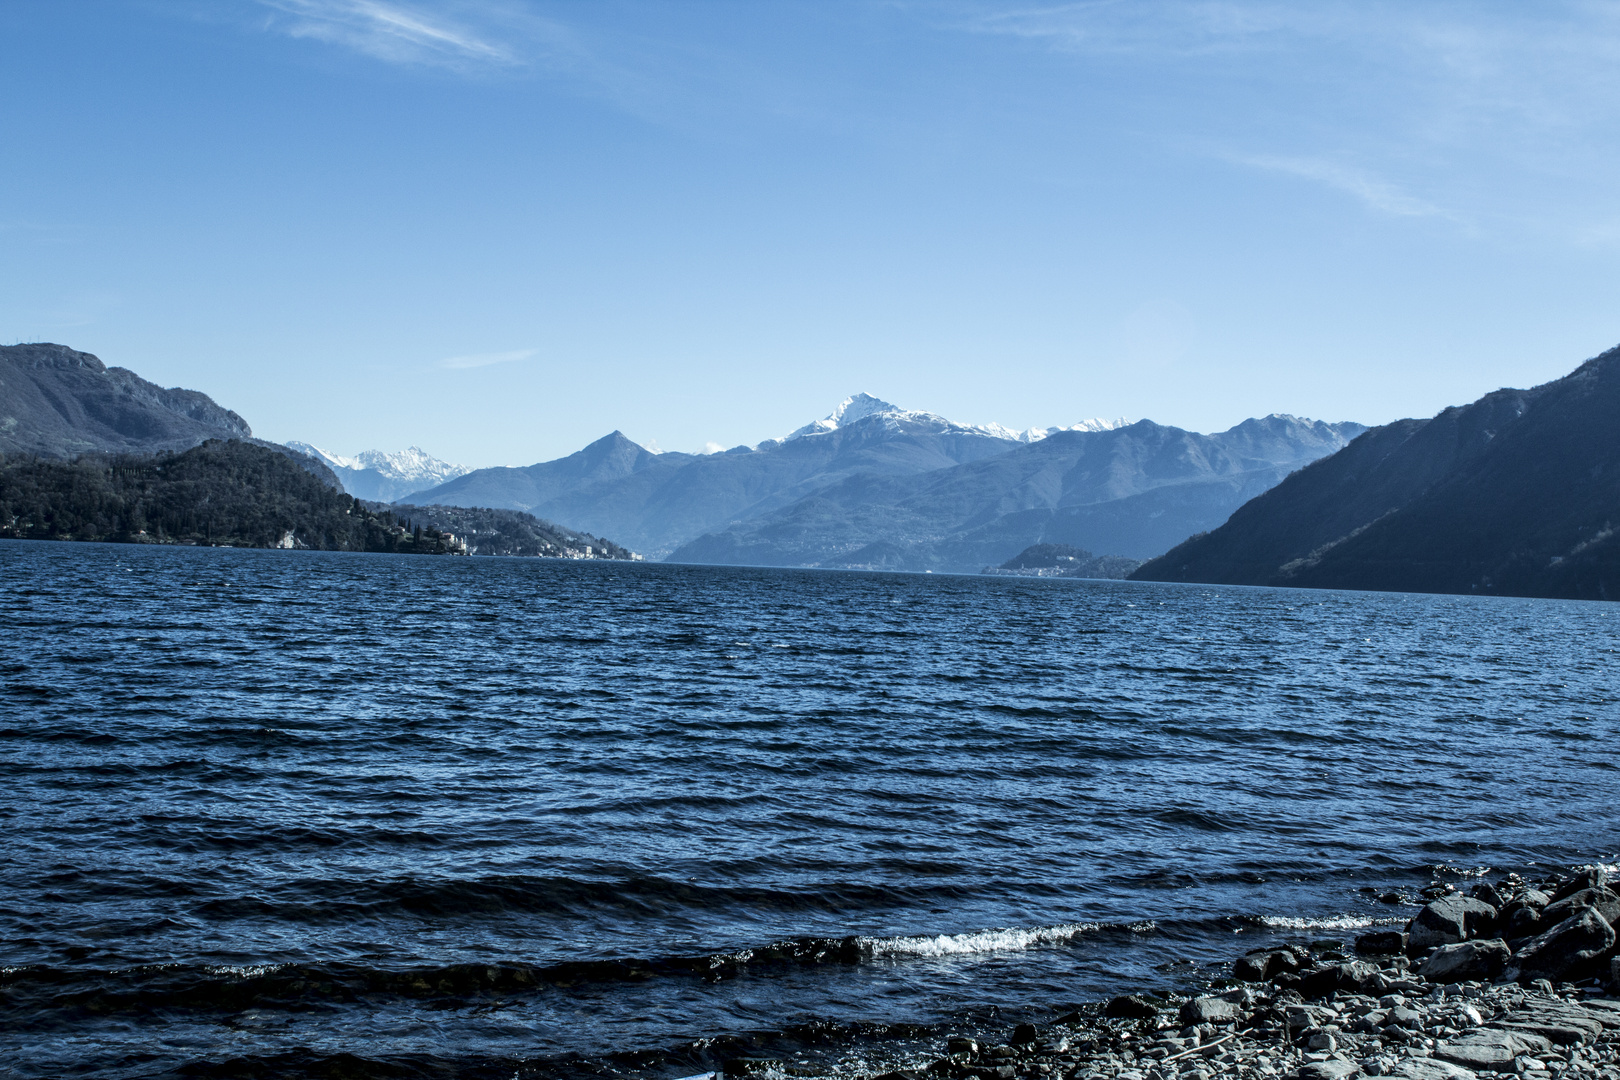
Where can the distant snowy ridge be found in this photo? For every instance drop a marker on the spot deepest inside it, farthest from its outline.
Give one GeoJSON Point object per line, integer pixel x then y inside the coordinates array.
{"type": "Point", "coordinates": [412, 464]}
{"type": "Point", "coordinates": [381, 476]}
{"type": "Point", "coordinates": [861, 406]}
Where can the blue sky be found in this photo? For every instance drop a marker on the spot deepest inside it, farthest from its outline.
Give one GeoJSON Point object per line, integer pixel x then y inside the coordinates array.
{"type": "Point", "coordinates": [500, 229]}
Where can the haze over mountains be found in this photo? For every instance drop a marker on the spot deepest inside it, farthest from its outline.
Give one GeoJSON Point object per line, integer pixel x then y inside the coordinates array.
{"type": "Point", "coordinates": [1517, 493]}
{"type": "Point", "coordinates": [1131, 491]}
{"type": "Point", "coordinates": [873, 485]}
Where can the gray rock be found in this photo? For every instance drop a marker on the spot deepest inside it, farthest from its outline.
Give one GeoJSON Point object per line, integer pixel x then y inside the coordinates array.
{"type": "Point", "coordinates": [1131, 1007]}
{"type": "Point", "coordinates": [1534, 898]}
{"type": "Point", "coordinates": [1264, 965]}
{"type": "Point", "coordinates": [1322, 1040]}
{"type": "Point", "coordinates": [1448, 920]}
{"type": "Point", "coordinates": [1331, 1069]}
{"type": "Point", "coordinates": [1565, 951]}
{"type": "Point", "coordinates": [1593, 877]}
{"type": "Point", "coordinates": [1605, 1012]}
{"type": "Point", "coordinates": [1564, 1022]}
{"type": "Point", "coordinates": [1356, 976]}
{"type": "Point", "coordinates": [1466, 961]}
{"type": "Point", "coordinates": [1407, 1018]}
{"type": "Point", "coordinates": [1492, 1049]}
{"type": "Point", "coordinates": [1605, 900]}
{"type": "Point", "coordinates": [1521, 922]}
{"type": "Point", "coordinates": [1486, 892]}
{"type": "Point", "coordinates": [1429, 1069]}
{"type": "Point", "coordinates": [1210, 1010]}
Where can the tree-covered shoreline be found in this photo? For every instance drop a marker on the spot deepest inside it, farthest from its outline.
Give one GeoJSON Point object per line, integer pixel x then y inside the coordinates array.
{"type": "Point", "coordinates": [221, 494]}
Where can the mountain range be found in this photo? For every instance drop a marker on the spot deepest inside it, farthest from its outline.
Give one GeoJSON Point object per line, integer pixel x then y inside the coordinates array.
{"type": "Point", "coordinates": [1517, 493]}
{"type": "Point", "coordinates": [1132, 491]}
{"type": "Point", "coordinates": [378, 476]}
{"type": "Point", "coordinates": [873, 485]}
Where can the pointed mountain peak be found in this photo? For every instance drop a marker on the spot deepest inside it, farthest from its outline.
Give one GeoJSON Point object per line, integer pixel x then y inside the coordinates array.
{"type": "Point", "coordinates": [851, 409]}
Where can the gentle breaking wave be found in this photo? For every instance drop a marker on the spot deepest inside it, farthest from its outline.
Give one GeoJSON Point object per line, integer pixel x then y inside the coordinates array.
{"type": "Point", "coordinates": [984, 941]}
{"type": "Point", "coordinates": [1329, 922]}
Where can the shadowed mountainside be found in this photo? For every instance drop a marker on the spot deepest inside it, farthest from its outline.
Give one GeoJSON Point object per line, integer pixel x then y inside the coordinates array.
{"type": "Point", "coordinates": [1517, 493]}
{"type": "Point", "coordinates": [57, 402]}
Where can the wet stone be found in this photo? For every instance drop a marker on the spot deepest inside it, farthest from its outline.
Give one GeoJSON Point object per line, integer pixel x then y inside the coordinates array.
{"type": "Point", "coordinates": [1210, 1010]}
{"type": "Point", "coordinates": [1131, 1007]}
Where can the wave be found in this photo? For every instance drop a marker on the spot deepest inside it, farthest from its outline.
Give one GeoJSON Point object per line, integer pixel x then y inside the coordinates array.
{"type": "Point", "coordinates": [1328, 922]}
{"type": "Point", "coordinates": [983, 941]}
{"type": "Point", "coordinates": [229, 988]}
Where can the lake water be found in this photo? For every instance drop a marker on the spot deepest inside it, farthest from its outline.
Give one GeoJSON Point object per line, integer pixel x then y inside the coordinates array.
{"type": "Point", "coordinates": [533, 818]}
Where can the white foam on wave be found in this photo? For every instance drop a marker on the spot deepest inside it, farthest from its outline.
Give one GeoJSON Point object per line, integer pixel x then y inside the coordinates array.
{"type": "Point", "coordinates": [1331, 922]}
{"type": "Point", "coordinates": [246, 971]}
{"type": "Point", "coordinates": [983, 941]}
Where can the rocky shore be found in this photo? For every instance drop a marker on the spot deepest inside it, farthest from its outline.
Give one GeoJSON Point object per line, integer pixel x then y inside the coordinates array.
{"type": "Point", "coordinates": [1515, 976]}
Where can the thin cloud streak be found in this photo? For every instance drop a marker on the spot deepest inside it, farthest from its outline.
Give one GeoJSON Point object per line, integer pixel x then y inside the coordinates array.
{"type": "Point", "coordinates": [478, 360]}
{"type": "Point", "coordinates": [1126, 26]}
{"type": "Point", "coordinates": [395, 32]}
{"type": "Point", "coordinates": [1377, 194]}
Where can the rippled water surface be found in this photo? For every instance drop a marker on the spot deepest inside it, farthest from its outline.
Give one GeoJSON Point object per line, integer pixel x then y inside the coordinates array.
{"type": "Point", "coordinates": [525, 817]}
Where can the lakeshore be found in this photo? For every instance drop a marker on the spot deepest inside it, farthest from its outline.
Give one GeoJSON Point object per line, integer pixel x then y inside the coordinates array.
{"type": "Point", "coordinates": [1448, 998]}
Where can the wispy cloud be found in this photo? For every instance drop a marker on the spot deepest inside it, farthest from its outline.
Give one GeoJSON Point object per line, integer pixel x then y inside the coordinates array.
{"type": "Point", "coordinates": [405, 33]}
{"type": "Point", "coordinates": [1376, 193]}
{"type": "Point", "coordinates": [1490, 116]}
{"type": "Point", "coordinates": [476, 360]}
{"type": "Point", "coordinates": [1128, 26]}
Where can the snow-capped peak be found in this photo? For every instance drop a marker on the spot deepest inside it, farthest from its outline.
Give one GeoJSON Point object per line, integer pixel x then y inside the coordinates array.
{"type": "Point", "coordinates": [861, 406]}
{"type": "Point", "coordinates": [851, 409]}
{"type": "Point", "coordinates": [415, 465]}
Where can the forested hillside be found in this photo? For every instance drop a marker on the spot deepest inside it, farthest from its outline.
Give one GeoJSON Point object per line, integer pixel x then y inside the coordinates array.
{"type": "Point", "coordinates": [220, 493]}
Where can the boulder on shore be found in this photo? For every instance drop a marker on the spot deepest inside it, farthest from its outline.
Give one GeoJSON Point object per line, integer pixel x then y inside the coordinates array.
{"type": "Point", "coordinates": [1449, 920]}
{"type": "Point", "coordinates": [1466, 961]}
{"type": "Point", "coordinates": [1566, 951]}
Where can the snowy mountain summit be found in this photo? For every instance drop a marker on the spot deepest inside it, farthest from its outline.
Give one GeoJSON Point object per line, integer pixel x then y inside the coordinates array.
{"type": "Point", "coordinates": [859, 407]}
{"type": "Point", "coordinates": [384, 477]}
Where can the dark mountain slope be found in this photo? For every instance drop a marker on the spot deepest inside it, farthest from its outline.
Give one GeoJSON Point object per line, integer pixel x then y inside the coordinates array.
{"type": "Point", "coordinates": [1129, 491]}
{"type": "Point", "coordinates": [653, 502]}
{"type": "Point", "coordinates": [1517, 493]}
{"type": "Point", "coordinates": [57, 402]}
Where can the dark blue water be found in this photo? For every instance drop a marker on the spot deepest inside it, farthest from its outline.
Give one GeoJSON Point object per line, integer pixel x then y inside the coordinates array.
{"type": "Point", "coordinates": [524, 817]}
